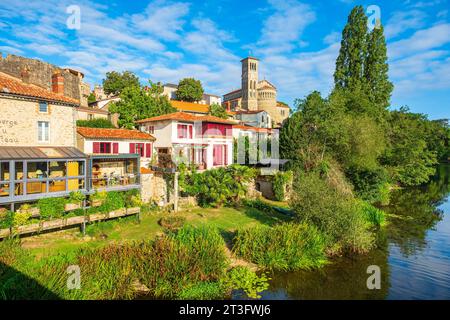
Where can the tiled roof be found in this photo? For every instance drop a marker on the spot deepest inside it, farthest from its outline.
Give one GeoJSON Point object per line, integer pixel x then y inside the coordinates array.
{"type": "Point", "coordinates": [15, 86]}
{"type": "Point", "coordinates": [231, 92]}
{"type": "Point", "coordinates": [248, 128]}
{"type": "Point", "coordinates": [183, 116]}
{"type": "Point", "coordinates": [281, 105]}
{"type": "Point", "coordinates": [190, 106]}
{"type": "Point", "coordinates": [93, 110]}
{"type": "Point", "coordinates": [104, 133]}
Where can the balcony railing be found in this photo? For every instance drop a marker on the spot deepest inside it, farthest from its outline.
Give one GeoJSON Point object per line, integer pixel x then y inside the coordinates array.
{"type": "Point", "coordinates": [112, 180]}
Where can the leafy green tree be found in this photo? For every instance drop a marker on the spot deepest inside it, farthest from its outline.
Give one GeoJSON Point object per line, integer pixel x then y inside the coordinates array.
{"type": "Point", "coordinates": [376, 69]}
{"type": "Point", "coordinates": [349, 71]}
{"type": "Point", "coordinates": [410, 158]}
{"type": "Point", "coordinates": [218, 111]}
{"type": "Point", "coordinates": [116, 82]}
{"type": "Point", "coordinates": [95, 123]}
{"type": "Point", "coordinates": [91, 98]}
{"type": "Point", "coordinates": [189, 90]}
{"type": "Point", "coordinates": [138, 103]}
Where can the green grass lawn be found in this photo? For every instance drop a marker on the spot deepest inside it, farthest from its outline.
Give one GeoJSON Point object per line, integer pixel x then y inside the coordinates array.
{"type": "Point", "coordinates": [128, 229]}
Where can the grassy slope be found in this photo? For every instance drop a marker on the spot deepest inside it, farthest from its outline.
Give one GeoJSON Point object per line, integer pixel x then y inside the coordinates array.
{"type": "Point", "coordinates": [226, 219]}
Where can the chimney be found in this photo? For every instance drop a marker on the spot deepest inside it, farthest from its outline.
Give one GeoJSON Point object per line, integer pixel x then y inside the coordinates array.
{"type": "Point", "coordinates": [25, 74]}
{"type": "Point", "coordinates": [58, 83]}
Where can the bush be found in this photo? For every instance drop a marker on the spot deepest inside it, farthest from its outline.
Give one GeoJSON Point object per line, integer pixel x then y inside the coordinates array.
{"type": "Point", "coordinates": [95, 123]}
{"type": "Point", "coordinates": [76, 197]}
{"type": "Point", "coordinates": [287, 246]}
{"type": "Point", "coordinates": [338, 216]}
{"type": "Point", "coordinates": [281, 183]}
{"type": "Point", "coordinates": [172, 223]}
{"type": "Point", "coordinates": [216, 187]}
{"type": "Point", "coordinates": [21, 218]}
{"type": "Point", "coordinates": [244, 279]}
{"type": "Point", "coordinates": [373, 215]}
{"type": "Point", "coordinates": [51, 208]}
{"type": "Point", "coordinates": [370, 185]}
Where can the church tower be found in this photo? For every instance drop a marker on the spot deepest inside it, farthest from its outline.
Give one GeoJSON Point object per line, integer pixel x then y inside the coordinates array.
{"type": "Point", "coordinates": [249, 83]}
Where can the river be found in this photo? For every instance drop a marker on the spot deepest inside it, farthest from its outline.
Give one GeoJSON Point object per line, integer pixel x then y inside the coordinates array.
{"type": "Point", "coordinates": [413, 254]}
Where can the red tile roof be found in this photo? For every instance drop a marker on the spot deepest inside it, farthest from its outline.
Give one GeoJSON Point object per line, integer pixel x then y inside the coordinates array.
{"type": "Point", "coordinates": [249, 128]}
{"type": "Point", "coordinates": [103, 133]}
{"type": "Point", "coordinates": [182, 116]}
{"type": "Point", "coordinates": [15, 86]}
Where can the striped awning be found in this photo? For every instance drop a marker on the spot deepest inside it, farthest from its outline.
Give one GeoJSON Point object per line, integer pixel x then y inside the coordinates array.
{"type": "Point", "coordinates": [19, 153]}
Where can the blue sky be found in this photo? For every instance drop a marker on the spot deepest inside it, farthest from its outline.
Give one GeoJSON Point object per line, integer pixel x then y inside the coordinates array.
{"type": "Point", "coordinates": [296, 41]}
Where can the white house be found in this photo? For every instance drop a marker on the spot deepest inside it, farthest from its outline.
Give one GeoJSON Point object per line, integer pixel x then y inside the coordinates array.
{"type": "Point", "coordinates": [101, 141]}
{"type": "Point", "coordinates": [205, 141]}
{"type": "Point", "coordinates": [256, 118]}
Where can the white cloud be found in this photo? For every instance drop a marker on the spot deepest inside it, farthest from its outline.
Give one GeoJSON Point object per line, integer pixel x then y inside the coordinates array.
{"type": "Point", "coordinates": [402, 21]}
{"type": "Point", "coordinates": [282, 31]}
{"type": "Point", "coordinates": [425, 39]}
{"type": "Point", "coordinates": [332, 37]}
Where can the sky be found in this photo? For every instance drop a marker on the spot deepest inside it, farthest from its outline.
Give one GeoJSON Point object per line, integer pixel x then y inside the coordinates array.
{"type": "Point", "coordinates": [297, 42]}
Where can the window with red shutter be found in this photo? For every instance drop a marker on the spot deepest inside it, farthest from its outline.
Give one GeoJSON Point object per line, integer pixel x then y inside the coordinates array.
{"type": "Point", "coordinates": [115, 147]}
{"type": "Point", "coordinates": [132, 148]}
{"type": "Point", "coordinates": [190, 132]}
{"type": "Point", "coordinates": [148, 150]}
{"type": "Point", "coordinates": [96, 147]}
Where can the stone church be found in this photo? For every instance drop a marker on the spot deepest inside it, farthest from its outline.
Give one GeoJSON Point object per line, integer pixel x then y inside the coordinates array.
{"type": "Point", "coordinates": [256, 95]}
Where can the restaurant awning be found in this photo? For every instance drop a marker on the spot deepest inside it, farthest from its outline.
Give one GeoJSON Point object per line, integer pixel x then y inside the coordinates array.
{"type": "Point", "coordinates": [20, 153]}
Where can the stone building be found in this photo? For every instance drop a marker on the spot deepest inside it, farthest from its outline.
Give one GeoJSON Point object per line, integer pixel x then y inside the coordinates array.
{"type": "Point", "coordinates": [255, 94]}
{"type": "Point", "coordinates": [39, 73]}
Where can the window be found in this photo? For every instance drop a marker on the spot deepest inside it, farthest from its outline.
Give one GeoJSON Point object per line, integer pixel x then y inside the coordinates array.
{"type": "Point", "coordinates": [151, 129]}
{"type": "Point", "coordinates": [138, 148]}
{"type": "Point", "coordinates": [105, 147]}
{"type": "Point", "coordinates": [90, 116]}
{"type": "Point", "coordinates": [43, 107]}
{"type": "Point", "coordinates": [43, 131]}
{"type": "Point", "coordinates": [184, 131]}
{"type": "Point", "coordinates": [220, 154]}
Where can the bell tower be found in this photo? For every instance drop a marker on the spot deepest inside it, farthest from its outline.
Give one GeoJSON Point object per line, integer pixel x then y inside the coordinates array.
{"type": "Point", "coordinates": [249, 83]}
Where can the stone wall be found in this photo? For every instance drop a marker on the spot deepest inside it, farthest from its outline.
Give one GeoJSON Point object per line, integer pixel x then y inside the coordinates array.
{"type": "Point", "coordinates": [40, 73]}
{"type": "Point", "coordinates": [19, 123]}
{"type": "Point", "coordinates": [154, 188]}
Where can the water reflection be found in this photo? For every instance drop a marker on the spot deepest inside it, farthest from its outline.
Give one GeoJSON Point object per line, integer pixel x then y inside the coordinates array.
{"type": "Point", "coordinates": [413, 254]}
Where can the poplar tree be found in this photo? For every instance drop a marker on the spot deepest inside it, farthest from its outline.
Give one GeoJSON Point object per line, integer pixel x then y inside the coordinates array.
{"type": "Point", "coordinates": [378, 86]}
{"type": "Point", "coordinates": [349, 71]}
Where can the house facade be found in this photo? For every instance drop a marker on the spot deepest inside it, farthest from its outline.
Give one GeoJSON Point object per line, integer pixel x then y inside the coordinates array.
{"type": "Point", "coordinates": [203, 141]}
{"type": "Point", "coordinates": [259, 118]}
{"type": "Point", "coordinates": [39, 157]}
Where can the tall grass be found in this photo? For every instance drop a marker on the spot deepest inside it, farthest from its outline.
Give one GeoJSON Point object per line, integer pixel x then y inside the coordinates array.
{"type": "Point", "coordinates": [287, 246]}
{"type": "Point", "coordinates": [166, 266]}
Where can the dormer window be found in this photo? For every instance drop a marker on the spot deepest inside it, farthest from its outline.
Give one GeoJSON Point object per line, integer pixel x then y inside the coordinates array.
{"type": "Point", "coordinates": [43, 107]}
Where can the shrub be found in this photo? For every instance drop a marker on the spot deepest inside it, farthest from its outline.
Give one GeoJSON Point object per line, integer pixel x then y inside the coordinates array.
{"type": "Point", "coordinates": [21, 218]}
{"type": "Point", "coordinates": [373, 215]}
{"type": "Point", "coordinates": [95, 123]}
{"type": "Point", "coordinates": [247, 280]}
{"type": "Point", "coordinates": [338, 216]}
{"type": "Point", "coordinates": [6, 220]}
{"type": "Point", "coordinates": [76, 197]}
{"type": "Point", "coordinates": [370, 185]}
{"type": "Point", "coordinates": [280, 186]}
{"type": "Point", "coordinates": [287, 246]}
{"type": "Point", "coordinates": [51, 207]}
{"type": "Point", "coordinates": [172, 223]}
{"type": "Point", "coordinates": [216, 187]}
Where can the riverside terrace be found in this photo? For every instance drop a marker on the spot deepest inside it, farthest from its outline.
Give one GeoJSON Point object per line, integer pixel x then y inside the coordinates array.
{"type": "Point", "coordinates": [31, 173]}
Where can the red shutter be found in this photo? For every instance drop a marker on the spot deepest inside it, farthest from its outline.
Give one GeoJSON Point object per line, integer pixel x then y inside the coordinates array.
{"type": "Point", "coordinates": [180, 131]}
{"type": "Point", "coordinates": [115, 147]}
{"type": "Point", "coordinates": [226, 154]}
{"type": "Point", "coordinates": [149, 150]}
{"type": "Point", "coordinates": [96, 147]}
{"type": "Point", "coordinates": [190, 132]}
{"type": "Point", "coordinates": [132, 148]}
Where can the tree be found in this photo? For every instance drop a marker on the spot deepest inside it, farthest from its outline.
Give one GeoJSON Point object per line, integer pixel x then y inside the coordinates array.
{"type": "Point", "coordinates": [352, 54]}
{"type": "Point", "coordinates": [218, 111]}
{"type": "Point", "coordinates": [410, 158]}
{"type": "Point", "coordinates": [91, 98]}
{"type": "Point", "coordinates": [376, 68]}
{"type": "Point", "coordinates": [116, 82]}
{"type": "Point", "coordinates": [95, 123]}
{"type": "Point", "coordinates": [189, 90]}
{"type": "Point", "coordinates": [138, 103]}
